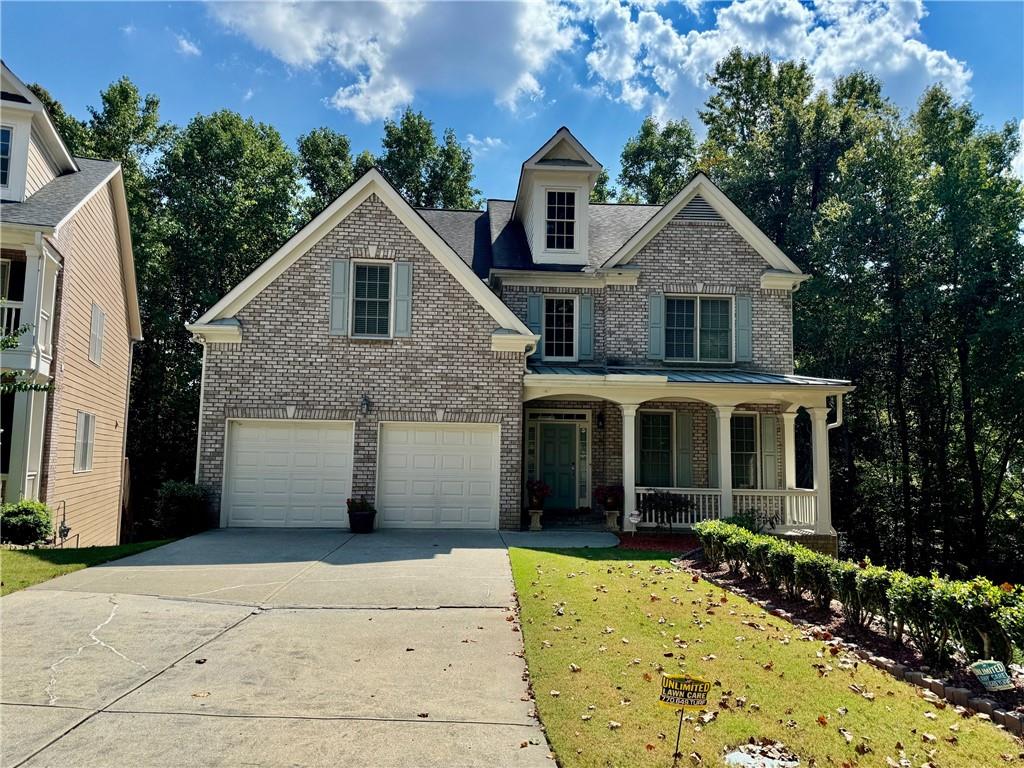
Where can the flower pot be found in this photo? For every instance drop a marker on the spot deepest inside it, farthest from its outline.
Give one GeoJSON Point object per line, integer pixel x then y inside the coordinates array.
{"type": "Point", "coordinates": [361, 522]}
{"type": "Point", "coordinates": [535, 515]}
{"type": "Point", "coordinates": [611, 519]}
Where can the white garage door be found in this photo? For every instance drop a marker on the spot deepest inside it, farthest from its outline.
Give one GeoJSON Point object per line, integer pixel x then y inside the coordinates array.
{"type": "Point", "coordinates": [288, 473]}
{"type": "Point", "coordinates": [438, 476]}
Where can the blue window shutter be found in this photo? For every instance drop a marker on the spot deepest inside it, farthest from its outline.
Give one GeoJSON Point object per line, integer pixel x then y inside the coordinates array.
{"type": "Point", "coordinates": [712, 450]}
{"type": "Point", "coordinates": [586, 327]}
{"type": "Point", "coordinates": [684, 449]}
{"type": "Point", "coordinates": [403, 298]}
{"type": "Point", "coordinates": [744, 330]}
{"type": "Point", "coordinates": [339, 297]}
{"type": "Point", "coordinates": [769, 452]}
{"type": "Point", "coordinates": [535, 320]}
{"type": "Point", "coordinates": [656, 326]}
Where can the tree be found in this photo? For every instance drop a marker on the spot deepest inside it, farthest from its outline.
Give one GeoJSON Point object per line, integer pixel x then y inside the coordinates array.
{"type": "Point", "coordinates": [325, 163]}
{"type": "Point", "coordinates": [74, 132]}
{"type": "Point", "coordinates": [426, 173]}
{"type": "Point", "coordinates": [603, 191]}
{"type": "Point", "coordinates": [657, 162]}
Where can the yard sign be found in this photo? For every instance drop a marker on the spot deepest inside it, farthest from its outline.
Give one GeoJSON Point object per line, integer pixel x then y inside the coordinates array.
{"type": "Point", "coordinates": [684, 692]}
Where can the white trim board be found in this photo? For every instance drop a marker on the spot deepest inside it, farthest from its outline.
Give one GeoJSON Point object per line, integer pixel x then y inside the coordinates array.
{"type": "Point", "coordinates": [703, 186]}
{"type": "Point", "coordinates": [372, 182]}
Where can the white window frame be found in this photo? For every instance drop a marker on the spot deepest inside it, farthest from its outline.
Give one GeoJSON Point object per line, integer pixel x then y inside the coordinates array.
{"type": "Point", "coordinates": [10, 155]}
{"type": "Point", "coordinates": [575, 327]}
{"type": "Point", "coordinates": [758, 458]}
{"type": "Point", "coordinates": [696, 298]}
{"type": "Point", "coordinates": [85, 444]}
{"type": "Point", "coordinates": [5, 277]}
{"type": "Point", "coordinates": [672, 450]}
{"type": "Point", "coordinates": [352, 298]}
{"type": "Point", "coordinates": [575, 192]}
{"type": "Point", "coordinates": [96, 330]}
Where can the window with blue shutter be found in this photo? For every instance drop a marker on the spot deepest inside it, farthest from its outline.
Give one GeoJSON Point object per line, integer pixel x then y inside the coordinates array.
{"type": "Point", "coordinates": [403, 298]}
{"type": "Point", "coordinates": [769, 452]}
{"type": "Point", "coordinates": [535, 321]}
{"type": "Point", "coordinates": [656, 327]}
{"type": "Point", "coordinates": [744, 330]}
{"type": "Point", "coordinates": [586, 327]}
{"type": "Point", "coordinates": [339, 297]}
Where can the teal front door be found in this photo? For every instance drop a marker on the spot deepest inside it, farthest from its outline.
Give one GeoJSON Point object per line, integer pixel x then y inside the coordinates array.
{"type": "Point", "coordinates": [558, 464]}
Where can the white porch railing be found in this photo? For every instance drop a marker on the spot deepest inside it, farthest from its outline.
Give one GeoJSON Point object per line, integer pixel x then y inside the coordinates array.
{"type": "Point", "coordinates": [704, 504]}
{"type": "Point", "coordinates": [778, 508]}
{"type": "Point", "coordinates": [10, 316]}
{"type": "Point", "coordinates": [793, 507]}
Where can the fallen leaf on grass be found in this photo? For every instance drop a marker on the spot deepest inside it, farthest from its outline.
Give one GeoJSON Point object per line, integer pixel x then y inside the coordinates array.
{"type": "Point", "coordinates": [822, 721]}
{"type": "Point", "coordinates": [614, 725]}
{"type": "Point", "coordinates": [574, 667]}
{"type": "Point", "coordinates": [556, 694]}
{"type": "Point", "coordinates": [423, 714]}
{"type": "Point", "coordinates": [846, 735]}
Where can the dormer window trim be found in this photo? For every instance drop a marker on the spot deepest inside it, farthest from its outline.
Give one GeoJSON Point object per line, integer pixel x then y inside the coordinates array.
{"type": "Point", "coordinates": [6, 182]}
{"type": "Point", "coordinates": [550, 190]}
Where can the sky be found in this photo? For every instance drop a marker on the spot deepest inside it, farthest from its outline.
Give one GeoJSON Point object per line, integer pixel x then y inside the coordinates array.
{"type": "Point", "coordinates": [503, 75]}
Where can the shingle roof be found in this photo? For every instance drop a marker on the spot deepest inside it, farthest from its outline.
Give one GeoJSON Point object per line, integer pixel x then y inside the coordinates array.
{"type": "Point", "coordinates": [675, 375]}
{"type": "Point", "coordinates": [49, 206]}
{"type": "Point", "coordinates": [465, 231]}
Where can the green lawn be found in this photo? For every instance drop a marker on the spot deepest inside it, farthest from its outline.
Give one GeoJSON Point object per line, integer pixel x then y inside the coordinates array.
{"type": "Point", "coordinates": [24, 567]}
{"type": "Point", "coordinates": [626, 616]}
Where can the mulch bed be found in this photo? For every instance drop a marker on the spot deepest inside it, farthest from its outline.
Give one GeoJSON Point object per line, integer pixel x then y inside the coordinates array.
{"type": "Point", "coordinates": [674, 543]}
{"type": "Point", "coordinates": [872, 639]}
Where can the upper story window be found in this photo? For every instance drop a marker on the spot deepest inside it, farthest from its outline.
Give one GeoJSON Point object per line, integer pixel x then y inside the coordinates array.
{"type": "Point", "coordinates": [371, 300]}
{"type": "Point", "coordinates": [96, 335]}
{"type": "Point", "coordinates": [560, 220]}
{"type": "Point", "coordinates": [560, 328]}
{"type": "Point", "coordinates": [5, 154]}
{"type": "Point", "coordinates": [698, 329]}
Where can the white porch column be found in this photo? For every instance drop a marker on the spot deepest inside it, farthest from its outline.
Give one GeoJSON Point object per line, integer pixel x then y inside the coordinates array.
{"type": "Point", "coordinates": [819, 438]}
{"type": "Point", "coordinates": [21, 429]}
{"type": "Point", "coordinates": [723, 414]}
{"type": "Point", "coordinates": [789, 449]}
{"type": "Point", "coordinates": [628, 464]}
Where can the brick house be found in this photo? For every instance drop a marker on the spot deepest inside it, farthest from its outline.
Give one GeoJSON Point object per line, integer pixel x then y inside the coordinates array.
{"type": "Point", "coordinates": [437, 361]}
{"type": "Point", "coordinates": [67, 277]}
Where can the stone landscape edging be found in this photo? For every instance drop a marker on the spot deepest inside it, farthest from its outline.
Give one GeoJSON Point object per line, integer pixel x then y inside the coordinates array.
{"type": "Point", "coordinates": [960, 698]}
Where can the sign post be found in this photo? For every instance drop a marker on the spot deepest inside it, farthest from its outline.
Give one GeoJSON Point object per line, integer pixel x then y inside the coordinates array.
{"type": "Point", "coordinates": [683, 692]}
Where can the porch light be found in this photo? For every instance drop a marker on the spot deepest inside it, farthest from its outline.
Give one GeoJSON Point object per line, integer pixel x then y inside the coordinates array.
{"type": "Point", "coordinates": [365, 404]}
{"type": "Point", "coordinates": [600, 420]}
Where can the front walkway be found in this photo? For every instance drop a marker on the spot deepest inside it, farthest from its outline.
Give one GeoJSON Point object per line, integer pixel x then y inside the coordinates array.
{"type": "Point", "coordinates": [275, 647]}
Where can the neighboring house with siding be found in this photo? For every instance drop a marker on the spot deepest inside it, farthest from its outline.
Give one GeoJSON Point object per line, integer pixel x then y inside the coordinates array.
{"type": "Point", "coordinates": [67, 276]}
{"type": "Point", "coordinates": [436, 361]}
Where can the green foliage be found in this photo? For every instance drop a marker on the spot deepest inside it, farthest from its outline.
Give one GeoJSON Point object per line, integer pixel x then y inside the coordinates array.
{"type": "Point", "coordinates": [657, 162]}
{"type": "Point", "coordinates": [325, 162]}
{"type": "Point", "coordinates": [428, 173]}
{"type": "Point", "coordinates": [25, 522]}
{"type": "Point", "coordinates": [603, 191]}
{"type": "Point", "coordinates": [970, 619]}
{"type": "Point", "coordinates": [180, 510]}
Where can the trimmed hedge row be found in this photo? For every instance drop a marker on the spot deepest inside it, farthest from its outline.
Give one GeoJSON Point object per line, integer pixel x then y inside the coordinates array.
{"type": "Point", "coordinates": [971, 620]}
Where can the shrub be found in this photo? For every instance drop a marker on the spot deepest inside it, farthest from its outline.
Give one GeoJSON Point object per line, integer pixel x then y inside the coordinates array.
{"type": "Point", "coordinates": [712, 536]}
{"type": "Point", "coordinates": [737, 547]}
{"type": "Point", "coordinates": [847, 590]}
{"type": "Point", "coordinates": [759, 550]}
{"type": "Point", "coordinates": [782, 562]}
{"type": "Point", "coordinates": [748, 520]}
{"type": "Point", "coordinates": [180, 509]}
{"type": "Point", "coordinates": [975, 618]}
{"type": "Point", "coordinates": [25, 522]}
{"type": "Point", "coordinates": [1010, 616]}
{"type": "Point", "coordinates": [813, 573]}
{"type": "Point", "coordinates": [924, 604]}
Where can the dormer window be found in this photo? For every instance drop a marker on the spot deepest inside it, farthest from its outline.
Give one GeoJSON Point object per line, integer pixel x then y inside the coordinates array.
{"type": "Point", "coordinates": [561, 220]}
{"type": "Point", "coordinates": [5, 154]}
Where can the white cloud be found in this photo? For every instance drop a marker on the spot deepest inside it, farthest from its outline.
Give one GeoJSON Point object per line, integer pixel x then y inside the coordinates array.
{"type": "Point", "coordinates": [483, 144]}
{"type": "Point", "coordinates": [644, 60]}
{"type": "Point", "coordinates": [387, 52]}
{"type": "Point", "coordinates": [1018, 160]}
{"type": "Point", "coordinates": [641, 52]}
{"type": "Point", "coordinates": [128, 30]}
{"type": "Point", "coordinates": [249, 93]}
{"type": "Point", "coordinates": [186, 47]}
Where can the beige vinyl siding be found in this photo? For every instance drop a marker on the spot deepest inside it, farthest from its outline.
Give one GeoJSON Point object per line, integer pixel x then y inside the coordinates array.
{"type": "Point", "coordinates": [40, 171]}
{"type": "Point", "coordinates": [91, 274]}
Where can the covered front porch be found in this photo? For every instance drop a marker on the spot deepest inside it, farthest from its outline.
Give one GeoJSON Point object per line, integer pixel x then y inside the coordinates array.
{"type": "Point", "coordinates": [685, 446]}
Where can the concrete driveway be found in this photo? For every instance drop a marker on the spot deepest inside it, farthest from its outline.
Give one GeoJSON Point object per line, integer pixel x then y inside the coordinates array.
{"type": "Point", "coordinates": [274, 647]}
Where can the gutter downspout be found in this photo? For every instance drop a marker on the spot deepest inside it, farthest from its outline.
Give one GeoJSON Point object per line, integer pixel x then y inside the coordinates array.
{"type": "Point", "coordinates": [202, 398]}
{"type": "Point", "coordinates": [124, 436]}
{"type": "Point", "coordinates": [839, 413]}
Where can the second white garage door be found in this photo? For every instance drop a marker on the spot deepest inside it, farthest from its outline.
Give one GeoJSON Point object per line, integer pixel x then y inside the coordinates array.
{"type": "Point", "coordinates": [288, 473]}
{"type": "Point", "coordinates": [438, 476]}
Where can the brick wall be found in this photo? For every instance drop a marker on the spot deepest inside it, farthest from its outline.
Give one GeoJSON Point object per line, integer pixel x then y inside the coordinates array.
{"type": "Point", "coordinates": [287, 362]}
{"type": "Point", "coordinates": [685, 257]}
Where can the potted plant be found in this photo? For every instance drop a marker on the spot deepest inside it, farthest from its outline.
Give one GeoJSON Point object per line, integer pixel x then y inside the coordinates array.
{"type": "Point", "coordinates": [537, 490]}
{"type": "Point", "coordinates": [360, 515]}
{"type": "Point", "coordinates": [610, 498]}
